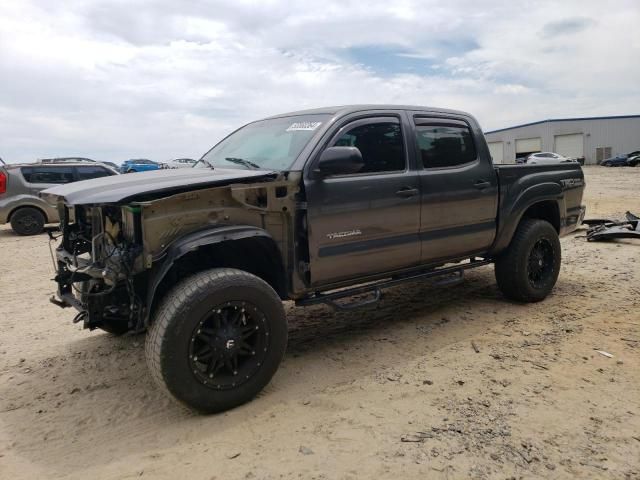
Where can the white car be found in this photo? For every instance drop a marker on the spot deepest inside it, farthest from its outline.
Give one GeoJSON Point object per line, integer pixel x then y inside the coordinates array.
{"type": "Point", "coordinates": [181, 163]}
{"type": "Point", "coordinates": [545, 158]}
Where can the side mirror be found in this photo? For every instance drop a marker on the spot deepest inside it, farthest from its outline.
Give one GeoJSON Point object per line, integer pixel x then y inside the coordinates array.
{"type": "Point", "coordinates": [340, 161]}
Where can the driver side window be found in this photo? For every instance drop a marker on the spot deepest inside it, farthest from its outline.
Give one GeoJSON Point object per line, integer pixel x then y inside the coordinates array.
{"type": "Point", "coordinates": [380, 144]}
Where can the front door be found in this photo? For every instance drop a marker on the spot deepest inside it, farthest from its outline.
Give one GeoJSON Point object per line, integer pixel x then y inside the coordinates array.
{"type": "Point", "coordinates": [459, 190]}
{"type": "Point", "coordinates": [367, 222]}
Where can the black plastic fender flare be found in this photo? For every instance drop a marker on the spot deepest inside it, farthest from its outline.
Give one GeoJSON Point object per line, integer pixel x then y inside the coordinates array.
{"type": "Point", "coordinates": [191, 242]}
{"type": "Point", "coordinates": [510, 219]}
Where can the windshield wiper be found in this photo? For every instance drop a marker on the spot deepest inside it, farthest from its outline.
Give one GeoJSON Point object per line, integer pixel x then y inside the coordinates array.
{"type": "Point", "coordinates": [202, 160]}
{"type": "Point", "coordinates": [243, 162]}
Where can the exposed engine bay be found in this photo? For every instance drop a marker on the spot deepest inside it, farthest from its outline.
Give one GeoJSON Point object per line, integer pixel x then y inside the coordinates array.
{"type": "Point", "coordinates": [97, 260]}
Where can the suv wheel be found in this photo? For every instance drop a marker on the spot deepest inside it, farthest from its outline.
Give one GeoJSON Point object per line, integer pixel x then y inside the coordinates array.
{"type": "Point", "coordinates": [217, 339]}
{"type": "Point", "coordinates": [27, 221]}
{"type": "Point", "coordinates": [527, 271]}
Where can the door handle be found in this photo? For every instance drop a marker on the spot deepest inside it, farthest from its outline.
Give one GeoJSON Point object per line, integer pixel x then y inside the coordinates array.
{"type": "Point", "coordinates": [406, 192]}
{"type": "Point", "coordinates": [482, 184]}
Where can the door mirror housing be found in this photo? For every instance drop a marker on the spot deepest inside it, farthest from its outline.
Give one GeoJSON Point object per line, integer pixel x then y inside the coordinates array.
{"type": "Point", "coordinates": [340, 161]}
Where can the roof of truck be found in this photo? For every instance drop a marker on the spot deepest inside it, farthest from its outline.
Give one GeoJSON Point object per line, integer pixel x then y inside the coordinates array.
{"type": "Point", "coordinates": [346, 109]}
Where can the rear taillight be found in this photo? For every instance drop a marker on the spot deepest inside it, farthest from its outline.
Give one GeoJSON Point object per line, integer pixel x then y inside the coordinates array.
{"type": "Point", "coordinates": [3, 182]}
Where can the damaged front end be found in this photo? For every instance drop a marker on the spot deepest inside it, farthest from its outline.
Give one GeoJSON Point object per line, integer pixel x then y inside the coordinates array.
{"type": "Point", "coordinates": [97, 263]}
{"type": "Point", "coordinates": [117, 256]}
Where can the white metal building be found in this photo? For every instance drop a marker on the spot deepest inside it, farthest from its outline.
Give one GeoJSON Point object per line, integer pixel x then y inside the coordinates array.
{"type": "Point", "coordinates": [593, 139]}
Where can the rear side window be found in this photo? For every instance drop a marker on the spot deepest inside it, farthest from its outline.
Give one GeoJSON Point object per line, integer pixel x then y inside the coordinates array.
{"type": "Point", "coordinates": [442, 146]}
{"type": "Point", "coordinates": [88, 172]}
{"type": "Point", "coordinates": [47, 174]}
{"type": "Point", "coordinates": [380, 145]}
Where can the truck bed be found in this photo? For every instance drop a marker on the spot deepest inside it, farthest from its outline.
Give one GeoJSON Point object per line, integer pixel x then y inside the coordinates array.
{"type": "Point", "coordinates": [560, 184]}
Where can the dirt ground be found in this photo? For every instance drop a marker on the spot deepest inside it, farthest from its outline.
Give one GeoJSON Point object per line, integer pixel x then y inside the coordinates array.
{"type": "Point", "coordinates": [395, 391]}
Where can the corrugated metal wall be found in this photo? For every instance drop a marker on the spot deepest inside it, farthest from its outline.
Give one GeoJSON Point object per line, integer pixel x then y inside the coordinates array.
{"type": "Point", "coordinates": [621, 134]}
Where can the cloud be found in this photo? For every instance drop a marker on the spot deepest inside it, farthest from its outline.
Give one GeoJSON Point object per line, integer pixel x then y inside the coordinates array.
{"type": "Point", "coordinates": [114, 79]}
{"type": "Point", "coordinates": [567, 26]}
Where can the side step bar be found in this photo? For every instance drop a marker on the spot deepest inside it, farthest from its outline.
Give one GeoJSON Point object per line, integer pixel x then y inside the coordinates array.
{"type": "Point", "coordinates": [457, 272]}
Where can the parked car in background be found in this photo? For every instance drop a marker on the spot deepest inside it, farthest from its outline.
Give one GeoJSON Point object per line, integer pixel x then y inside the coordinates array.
{"type": "Point", "coordinates": [139, 165]}
{"type": "Point", "coordinates": [542, 158]}
{"type": "Point", "coordinates": [111, 164]}
{"type": "Point", "coordinates": [20, 184]}
{"type": "Point", "coordinates": [617, 161]}
{"type": "Point", "coordinates": [182, 163]}
{"type": "Point", "coordinates": [631, 159]}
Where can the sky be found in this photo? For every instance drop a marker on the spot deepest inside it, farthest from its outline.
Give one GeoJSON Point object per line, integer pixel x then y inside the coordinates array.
{"type": "Point", "coordinates": [118, 79]}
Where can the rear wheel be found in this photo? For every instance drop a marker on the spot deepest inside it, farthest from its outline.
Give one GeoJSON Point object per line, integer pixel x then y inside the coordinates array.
{"type": "Point", "coordinates": [27, 221]}
{"type": "Point", "coordinates": [527, 271]}
{"type": "Point", "coordinates": [217, 339]}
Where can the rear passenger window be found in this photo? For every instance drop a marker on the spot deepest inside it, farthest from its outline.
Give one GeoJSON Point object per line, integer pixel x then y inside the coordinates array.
{"type": "Point", "coordinates": [88, 172]}
{"type": "Point", "coordinates": [380, 145]}
{"type": "Point", "coordinates": [444, 146]}
{"type": "Point", "coordinates": [47, 174]}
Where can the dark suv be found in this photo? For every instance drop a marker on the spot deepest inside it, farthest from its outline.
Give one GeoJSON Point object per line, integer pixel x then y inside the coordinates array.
{"type": "Point", "coordinates": [20, 185]}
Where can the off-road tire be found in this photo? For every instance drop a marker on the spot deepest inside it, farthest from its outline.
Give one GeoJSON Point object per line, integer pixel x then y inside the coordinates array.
{"type": "Point", "coordinates": [177, 322]}
{"type": "Point", "coordinates": [512, 268]}
{"type": "Point", "coordinates": [27, 221]}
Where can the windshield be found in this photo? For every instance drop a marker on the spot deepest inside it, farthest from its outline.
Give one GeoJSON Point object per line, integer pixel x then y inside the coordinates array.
{"type": "Point", "coordinates": [271, 144]}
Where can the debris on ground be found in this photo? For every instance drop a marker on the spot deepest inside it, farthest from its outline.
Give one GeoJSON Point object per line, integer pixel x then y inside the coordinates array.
{"type": "Point", "coordinates": [604, 229]}
{"type": "Point", "coordinates": [606, 354]}
{"type": "Point", "coordinates": [417, 437]}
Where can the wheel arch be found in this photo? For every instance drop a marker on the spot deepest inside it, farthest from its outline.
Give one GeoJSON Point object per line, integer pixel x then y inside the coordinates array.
{"type": "Point", "coordinates": [543, 201]}
{"type": "Point", "coordinates": [547, 210]}
{"type": "Point", "coordinates": [246, 248]}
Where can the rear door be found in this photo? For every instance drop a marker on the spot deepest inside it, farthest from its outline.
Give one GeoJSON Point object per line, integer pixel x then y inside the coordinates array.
{"type": "Point", "coordinates": [459, 189]}
{"type": "Point", "coordinates": [367, 222]}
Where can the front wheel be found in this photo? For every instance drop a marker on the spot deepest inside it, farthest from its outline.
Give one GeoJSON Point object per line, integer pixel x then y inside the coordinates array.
{"type": "Point", "coordinates": [217, 339]}
{"type": "Point", "coordinates": [527, 271]}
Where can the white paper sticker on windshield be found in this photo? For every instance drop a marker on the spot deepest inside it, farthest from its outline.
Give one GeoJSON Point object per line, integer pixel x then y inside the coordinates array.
{"type": "Point", "coordinates": [303, 126]}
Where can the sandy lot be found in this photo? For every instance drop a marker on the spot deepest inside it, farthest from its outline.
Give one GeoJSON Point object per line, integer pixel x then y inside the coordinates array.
{"type": "Point", "coordinates": [394, 391]}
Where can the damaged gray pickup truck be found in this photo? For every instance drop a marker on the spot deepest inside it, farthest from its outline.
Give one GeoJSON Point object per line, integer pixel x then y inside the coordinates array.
{"type": "Point", "coordinates": [315, 207]}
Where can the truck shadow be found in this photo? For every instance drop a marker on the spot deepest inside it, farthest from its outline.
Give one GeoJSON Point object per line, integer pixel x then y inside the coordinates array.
{"type": "Point", "coordinates": [97, 392]}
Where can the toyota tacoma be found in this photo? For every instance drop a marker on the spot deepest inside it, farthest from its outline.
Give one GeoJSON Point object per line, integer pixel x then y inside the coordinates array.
{"type": "Point", "coordinates": [317, 206]}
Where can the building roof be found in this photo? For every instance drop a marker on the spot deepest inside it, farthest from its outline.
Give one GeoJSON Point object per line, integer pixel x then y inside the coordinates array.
{"type": "Point", "coordinates": [562, 120]}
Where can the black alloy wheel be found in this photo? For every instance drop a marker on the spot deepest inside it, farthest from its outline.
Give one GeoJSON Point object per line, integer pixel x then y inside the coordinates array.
{"type": "Point", "coordinates": [540, 267]}
{"type": "Point", "coordinates": [229, 345]}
